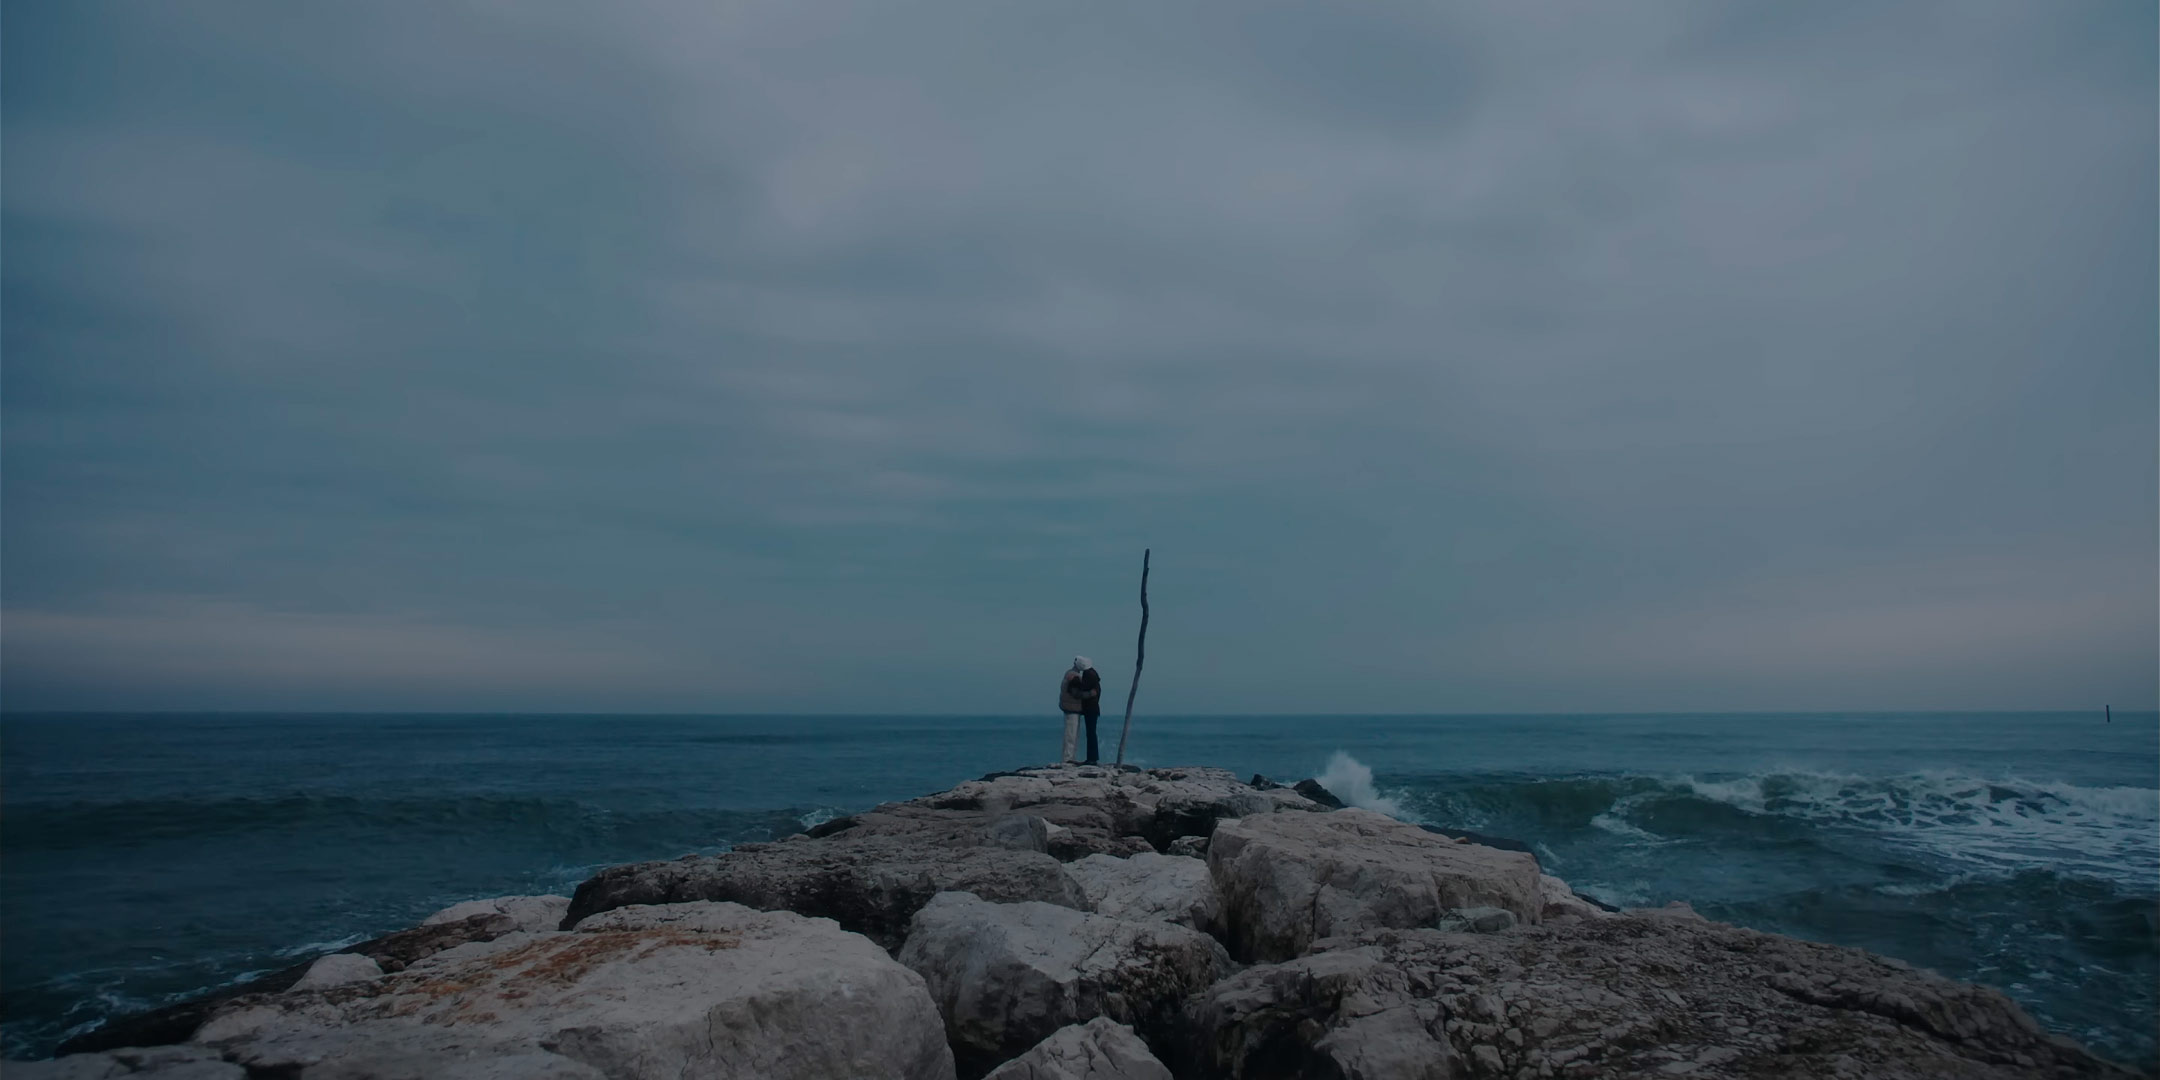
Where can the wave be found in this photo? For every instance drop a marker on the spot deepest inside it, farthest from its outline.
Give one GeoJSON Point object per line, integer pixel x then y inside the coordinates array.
{"type": "Point", "coordinates": [1348, 779]}
{"type": "Point", "coordinates": [1615, 822]}
{"type": "Point", "coordinates": [1993, 825]}
{"type": "Point", "coordinates": [2002, 823]}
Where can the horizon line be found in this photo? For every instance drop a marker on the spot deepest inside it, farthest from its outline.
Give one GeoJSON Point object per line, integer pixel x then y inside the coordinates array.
{"type": "Point", "coordinates": [7, 712]}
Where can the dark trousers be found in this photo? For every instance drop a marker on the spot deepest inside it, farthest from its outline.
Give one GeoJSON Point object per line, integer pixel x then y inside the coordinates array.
{"type": "Point", "coordinates": [1092, 755]}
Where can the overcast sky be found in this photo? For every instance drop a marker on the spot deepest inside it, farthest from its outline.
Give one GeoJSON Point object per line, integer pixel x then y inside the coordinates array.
{"type": "Point", "coordinates": [844, 356]}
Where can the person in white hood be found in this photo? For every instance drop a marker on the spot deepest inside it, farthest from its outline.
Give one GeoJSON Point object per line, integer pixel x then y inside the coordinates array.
{"type": "Point", "coordinates": [1080, 698]}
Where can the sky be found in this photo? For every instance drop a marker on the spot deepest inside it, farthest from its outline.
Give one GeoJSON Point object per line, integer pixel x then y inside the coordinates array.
{"type": "Point", "coordinates": [844, 357]}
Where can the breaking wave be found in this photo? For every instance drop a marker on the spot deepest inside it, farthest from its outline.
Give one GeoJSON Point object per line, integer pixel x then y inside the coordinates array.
{"type": "Point", "coordinates": [1998, 825]}
{"type": "Point", "coordinates": [2003, 824]}
{"type": "Point", "coordinates": [1348, 779]}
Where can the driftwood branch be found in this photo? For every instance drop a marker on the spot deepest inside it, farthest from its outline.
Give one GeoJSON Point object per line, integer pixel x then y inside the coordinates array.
{"type": "Point", "coordinates": [1138, 660]}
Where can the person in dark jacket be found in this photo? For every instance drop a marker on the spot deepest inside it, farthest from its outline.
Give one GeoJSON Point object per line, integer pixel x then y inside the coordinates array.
{"type": "Point", "coordinates": [1089, 686]}
{"type": "Point", "coordinates": [1080, 698]}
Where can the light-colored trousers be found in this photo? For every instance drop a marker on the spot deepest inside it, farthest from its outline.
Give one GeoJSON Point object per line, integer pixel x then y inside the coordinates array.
{"type": "Point", "coordinates": [1072, 735]}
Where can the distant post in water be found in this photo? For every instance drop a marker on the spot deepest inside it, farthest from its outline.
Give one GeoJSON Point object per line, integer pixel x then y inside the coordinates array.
{"type": "Point", "coordinates": [1137, 660]}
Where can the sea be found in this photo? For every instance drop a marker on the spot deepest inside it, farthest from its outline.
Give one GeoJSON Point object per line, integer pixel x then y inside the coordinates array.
{"type": "Point", "coordinates": [147, 858]}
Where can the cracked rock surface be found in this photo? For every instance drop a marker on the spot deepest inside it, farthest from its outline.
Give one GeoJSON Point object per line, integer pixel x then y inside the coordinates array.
{"type": "Point", "coordinates": [1100, 1049]}
{"type": "Point", "coordinates": [1288, 880]}
{"type": "Point", "coordinates": [1642, 995]}
{"type": "Point", "coordinates": [702, 989]}
{"type": "Point", "coordinates": [1005, 976]}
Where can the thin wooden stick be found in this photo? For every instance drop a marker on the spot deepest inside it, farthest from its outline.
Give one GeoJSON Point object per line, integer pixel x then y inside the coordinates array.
{"type": "Point", "coordinates": [1138, 661]}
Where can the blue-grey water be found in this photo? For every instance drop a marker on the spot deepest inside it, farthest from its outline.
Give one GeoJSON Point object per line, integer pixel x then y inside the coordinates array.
{"type": "Point", "coordinates": [147, 858]}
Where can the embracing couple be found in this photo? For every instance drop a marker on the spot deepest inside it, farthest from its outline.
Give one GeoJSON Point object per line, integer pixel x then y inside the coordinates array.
{"type": "Point", "coordinates": [1080, 696]}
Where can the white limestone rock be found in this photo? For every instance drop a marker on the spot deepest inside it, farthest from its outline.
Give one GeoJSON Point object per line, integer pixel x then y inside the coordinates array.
{"type": "Point", "coordinates": [146, 1063]}
{"type": "Point", "coordinates": [526, 912]}
{"type": "Point", "coordinates": [701, 989]}
{"type": "Point", "coordinates": [1168, 888]}
{"type": "Point", "coordinates": [1101, 1049]}
{"type": "Point", "coordinates": [1287, 880]}
{"type": "Point", "coordinates": [1005, 976]}
{"type": "Point", "coordinates": [1558, 901]}
{"type": "Point", "coordinates": [337, 969]}
{"type": "Point", "coordinates": [1339, 1013]}
{"type": "Point", "coordinates": [1643, 997]}
{"type": "Point", "coordinates": [1020, 832]}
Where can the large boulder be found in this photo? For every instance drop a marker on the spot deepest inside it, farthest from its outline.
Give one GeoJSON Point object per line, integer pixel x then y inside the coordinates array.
{"type": "Point", "coordinates": [1021, 832]}
{"type": "Point", "coordinates": [704, 989]}
{"type": "Point", "coordinates": [524, 912]}
{"type": "Point", "coordinates": [1287, 880]}
{"type": "Point", "coordinates": [1168, 888]}
{"type": "Point", "coordinates": [1344, 1013]}
{"type": "Point", "coordinates": [1621, 996]}
{"type": "Point", "coordinates": [872, 885]}
{"type": "Point", "coordinates": [1311, 789]}
{"type": "Point", "coordinates": [134, 1063]}
{"type": "Point", "coordinates": [1557, 900]}
{"type": "Point", "coordinates": [1005, 976]}
{"type": "Point", "coordinates": [1100, 1049]}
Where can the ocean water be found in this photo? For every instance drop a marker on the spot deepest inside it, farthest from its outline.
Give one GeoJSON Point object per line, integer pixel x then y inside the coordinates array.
{"type": "Point", "coordinates": [147, 858]}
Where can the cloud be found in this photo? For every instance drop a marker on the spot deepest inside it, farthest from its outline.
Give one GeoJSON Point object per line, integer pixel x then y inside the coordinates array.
{"type": "Point", "coordinates": [1958, 630]}
{"type": "Point", "coordinates": [866, 345]}
{"type": "Point", "coordinates": [252, 657]}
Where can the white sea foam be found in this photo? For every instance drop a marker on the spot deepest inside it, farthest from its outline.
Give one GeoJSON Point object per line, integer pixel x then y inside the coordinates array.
{"type": "Point", "coordinates": [1612, 823]}
{"type": "Point", "coordinates": [1349, 780]}
{"type": "Point", "coordinates": [1927, 888]}
{"type": "Point", "coordinates": [331, 945]}
{"type": "Point", "coordinates": [2001, 824]}
{"type": "Point", "coordinates": [1615, 820]}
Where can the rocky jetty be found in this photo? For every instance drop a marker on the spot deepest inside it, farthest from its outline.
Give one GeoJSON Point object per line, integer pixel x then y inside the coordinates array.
{"type": "Point", "coordinates": [1080, 923]}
